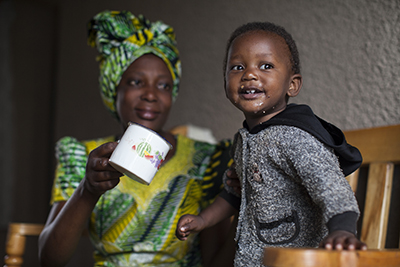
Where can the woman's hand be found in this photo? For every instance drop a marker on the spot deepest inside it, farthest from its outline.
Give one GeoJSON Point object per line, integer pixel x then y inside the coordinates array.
{"type": "Point", "coordinates": [100, 175]}
{"type": "Point", "coordinates": [188, 224]}
{"type": "Point", "coordinates": [342, 240]}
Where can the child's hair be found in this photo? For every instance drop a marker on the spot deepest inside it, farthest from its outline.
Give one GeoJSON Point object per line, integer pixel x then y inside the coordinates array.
{"type": "Point", "coordinates": [267, 27]}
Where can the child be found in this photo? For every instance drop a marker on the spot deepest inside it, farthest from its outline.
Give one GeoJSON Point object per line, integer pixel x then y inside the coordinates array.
{"type": "Point", "coordinates": [291, 164]}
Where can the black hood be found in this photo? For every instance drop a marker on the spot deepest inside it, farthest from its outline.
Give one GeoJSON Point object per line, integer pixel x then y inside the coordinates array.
{"type": "Point", "coordinates": [303, 117]}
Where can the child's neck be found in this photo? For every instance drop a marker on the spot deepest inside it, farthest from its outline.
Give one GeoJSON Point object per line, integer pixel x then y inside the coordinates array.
{"type": "Point", "coordinates": [253, 121]}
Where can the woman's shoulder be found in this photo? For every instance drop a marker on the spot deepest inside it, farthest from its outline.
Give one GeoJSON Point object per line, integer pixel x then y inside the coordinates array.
{"type": "Point", "coordinates": [68, 145]}
{"type": "Point", "coordinates": [71, 145]}
{"type": "Point", "coordinates": [71, 139]}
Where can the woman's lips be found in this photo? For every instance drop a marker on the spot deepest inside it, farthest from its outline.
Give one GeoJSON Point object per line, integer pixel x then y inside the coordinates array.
{"type": "Point", "coordinates": [146, 114]}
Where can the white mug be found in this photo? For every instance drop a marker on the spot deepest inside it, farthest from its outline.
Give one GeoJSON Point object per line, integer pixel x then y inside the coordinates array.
{"type": "Point", "coordinates": [140, 153]}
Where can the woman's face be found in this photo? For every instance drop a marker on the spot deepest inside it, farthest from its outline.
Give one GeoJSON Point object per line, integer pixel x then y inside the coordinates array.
{"type": "Point", "coordinates": [144, 94]}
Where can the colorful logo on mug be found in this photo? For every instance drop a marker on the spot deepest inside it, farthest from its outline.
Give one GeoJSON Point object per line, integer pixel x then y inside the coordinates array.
{"type": "Point", "coordinates": [143, 149]}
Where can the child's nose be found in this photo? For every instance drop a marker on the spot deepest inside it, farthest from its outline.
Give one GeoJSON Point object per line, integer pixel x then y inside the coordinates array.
{"type": "Point", "coordinates": [250, 74]}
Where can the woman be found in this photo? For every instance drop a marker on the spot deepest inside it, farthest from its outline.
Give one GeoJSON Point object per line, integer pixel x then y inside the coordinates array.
{"type": "Point", "coordinates": [131, 224]}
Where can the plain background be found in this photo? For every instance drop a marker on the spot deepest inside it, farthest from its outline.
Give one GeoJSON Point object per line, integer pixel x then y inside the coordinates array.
{"type": "Point", "coordinates": [349, 52]}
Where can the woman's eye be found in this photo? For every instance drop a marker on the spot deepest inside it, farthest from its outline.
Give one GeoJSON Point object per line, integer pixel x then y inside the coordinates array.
{"type": "Point", "coordinates": [135, 82]}
{"type": "Point", "coordinates": [266, 66]}
{"type": "Point", "coordinates": [164, 86]}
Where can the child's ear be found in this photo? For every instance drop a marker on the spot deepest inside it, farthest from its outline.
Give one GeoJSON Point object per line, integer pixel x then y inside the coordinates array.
{"type": "Point", "coordinates": [295, 85]}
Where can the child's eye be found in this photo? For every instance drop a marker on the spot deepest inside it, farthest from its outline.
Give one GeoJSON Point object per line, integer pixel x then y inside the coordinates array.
{"type": "Point", "coordinates": [237, 67]}
{"type": "Point", "coordinates": [266, 66]}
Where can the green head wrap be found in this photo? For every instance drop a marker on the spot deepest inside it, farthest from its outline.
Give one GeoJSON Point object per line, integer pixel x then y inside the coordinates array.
{"type": "Point", "coordinates": [121, 38]}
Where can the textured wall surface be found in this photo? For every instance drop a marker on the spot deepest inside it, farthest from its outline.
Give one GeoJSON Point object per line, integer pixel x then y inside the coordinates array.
{"type": "Point", "coordinates": [349, 50]}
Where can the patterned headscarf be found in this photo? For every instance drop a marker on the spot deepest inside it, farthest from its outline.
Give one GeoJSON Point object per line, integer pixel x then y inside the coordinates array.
{"type": "Point", "coordinates": [121, 38]}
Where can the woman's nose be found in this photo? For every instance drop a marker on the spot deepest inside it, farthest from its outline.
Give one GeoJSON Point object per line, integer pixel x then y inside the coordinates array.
{"type": "Point", "coordinates": [149, 93]}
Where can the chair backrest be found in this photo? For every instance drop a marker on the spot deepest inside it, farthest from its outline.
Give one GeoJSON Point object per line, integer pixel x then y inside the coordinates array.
{"type": "Point", "coordinates": [16, 239]}
{"type": "Point", "coordinates": [380, 148]}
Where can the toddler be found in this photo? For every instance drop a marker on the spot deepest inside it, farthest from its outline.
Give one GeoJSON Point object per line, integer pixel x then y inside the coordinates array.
{"type": "Point", "coordinates": [291, 164]}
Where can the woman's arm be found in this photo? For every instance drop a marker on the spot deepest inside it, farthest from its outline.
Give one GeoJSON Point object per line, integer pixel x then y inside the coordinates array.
{"type": "Point", "coordinates": [64, 227]}
{"type": "Point", "coordinates": [67, 220]}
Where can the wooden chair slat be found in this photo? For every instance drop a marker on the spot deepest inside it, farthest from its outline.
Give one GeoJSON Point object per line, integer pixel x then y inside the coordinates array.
{"type": "Point", "coordinates": [376, 210]}
{"type": "Point", "coordinates": [16, 239]}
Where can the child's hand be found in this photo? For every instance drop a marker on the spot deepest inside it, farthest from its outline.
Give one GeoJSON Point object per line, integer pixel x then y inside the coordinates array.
{"type": "Point", "coordinates": [342, 240]}
{"type": "Point", "coordinates": [187, 224]}
{"type": "Point", "coordinates": [233, 180]}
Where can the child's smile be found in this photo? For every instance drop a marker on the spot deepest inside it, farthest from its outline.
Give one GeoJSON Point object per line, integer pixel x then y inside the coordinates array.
{"type": "Point", "coordinates": [250, 92]}
{"type": "Point", "coordinates": [259, 75]}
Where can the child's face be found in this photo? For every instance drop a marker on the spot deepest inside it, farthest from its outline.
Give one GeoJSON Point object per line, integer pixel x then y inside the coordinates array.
{"type": "Point", "coordinates": [259, 75]}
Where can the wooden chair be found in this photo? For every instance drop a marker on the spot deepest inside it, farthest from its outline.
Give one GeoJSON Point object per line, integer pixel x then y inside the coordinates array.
{"type": "Point", "coordinates": [380, 148]}
{"type": "Point", "coordinates": [16, 238]}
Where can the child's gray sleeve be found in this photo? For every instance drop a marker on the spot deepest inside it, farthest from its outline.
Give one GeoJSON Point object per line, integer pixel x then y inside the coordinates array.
{"type": "Point", "coordinates": [317, 168]}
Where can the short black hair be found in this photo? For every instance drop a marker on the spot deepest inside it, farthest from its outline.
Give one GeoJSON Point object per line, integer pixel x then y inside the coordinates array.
{"type": "Point", "coordinates": [269, 28]}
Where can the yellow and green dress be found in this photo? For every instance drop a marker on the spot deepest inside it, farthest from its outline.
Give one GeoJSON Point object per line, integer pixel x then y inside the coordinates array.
{"type": "Point", "coordinates": [134, 224]}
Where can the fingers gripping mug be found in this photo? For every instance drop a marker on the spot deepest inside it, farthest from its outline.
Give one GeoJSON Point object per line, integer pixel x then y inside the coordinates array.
{"type": "Point", "coordinates": [140, 153]}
